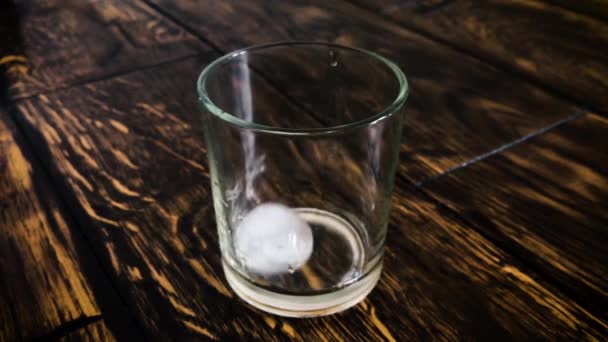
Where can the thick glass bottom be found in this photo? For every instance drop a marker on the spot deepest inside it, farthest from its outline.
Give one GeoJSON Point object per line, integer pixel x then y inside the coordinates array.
{"type": "Point", "coordinates": [290, 305]}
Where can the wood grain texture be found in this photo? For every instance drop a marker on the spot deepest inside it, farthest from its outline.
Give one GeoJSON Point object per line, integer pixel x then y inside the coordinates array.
{"type": "Point", "coordinates": [500, 298]}
{"type": "Point", "coordinates": [56, 43]}
{"type": "Point", "coordinates": [594, 8]}
{"type": "Point", "coordinates": [418, 6]}
{"type": "Point", "coordinates": [135, 171]}
{"type": "Point", "coordinates": [95, 332]}
{"type": "Point", "coordinates": [44, 283]}
{"type": "Point", "coordinates": [545, 199]}
{"type": "Point", "coordinates": [458, 107]}
{"type": "Point", "coordinates": [563, 50]}
{"type": "Point", "coordinates": [128, 155]}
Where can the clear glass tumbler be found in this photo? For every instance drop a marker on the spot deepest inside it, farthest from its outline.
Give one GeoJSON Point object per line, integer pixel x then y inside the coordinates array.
{"type": "Point", "coordinates": [303, 144]}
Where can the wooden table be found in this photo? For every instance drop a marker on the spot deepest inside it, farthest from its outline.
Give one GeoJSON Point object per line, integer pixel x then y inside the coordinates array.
{"type": "Point", "coordinates": [499, 226]}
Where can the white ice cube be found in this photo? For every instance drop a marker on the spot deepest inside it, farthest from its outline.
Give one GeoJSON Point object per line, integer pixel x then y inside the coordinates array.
{"type": "Point", "coordinates": [273, 239]}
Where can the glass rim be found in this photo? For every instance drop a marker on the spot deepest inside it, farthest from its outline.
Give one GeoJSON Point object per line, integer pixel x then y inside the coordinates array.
{"type": "Point", "coordinates": [240, 123]}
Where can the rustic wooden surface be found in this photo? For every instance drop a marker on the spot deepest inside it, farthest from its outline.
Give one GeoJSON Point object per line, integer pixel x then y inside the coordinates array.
{"type": "Point", "coordinates": [449, 91]}
{"type": "Point", "coordinates": [46, 265]}
{"type": "Point", "coordinates": [563, 50]}
{"type": "Point", "coordinates": [94, 332]}
{"type": "Point", "coordinates": [59, 43]}
{"type": "Point", "coordinates": [547, 197]}
{"type": "Point", "coordinates": [155, 233]}
{"type": "Point", "coordinates": [594, 8]}
{"type": "Point", "coordinates": [485, 241]}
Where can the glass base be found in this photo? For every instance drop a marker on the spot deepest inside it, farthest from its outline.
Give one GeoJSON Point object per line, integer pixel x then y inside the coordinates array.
{"type": "Point", "coordinates": [303, 306]}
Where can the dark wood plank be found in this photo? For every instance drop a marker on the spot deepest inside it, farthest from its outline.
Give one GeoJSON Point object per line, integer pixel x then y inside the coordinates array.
{"type": "Point", "coordinates": [458, 108]}
{"type": "Point", "coordinates": [563, 50]}
{"type": "Point", "coordinates": [134, 169]}
{"type": "Point", "coordinates": [56, 43]}
{"type": "Point", "coordinates": [545, 198]}
{"type": "Point", "coordinates": [95, 332]}
{"type": "Point", "coordinates": [387, 6]}
{"type": "Point", "coordinates": [44, 266]}
{"type": "Point", "coordinates": [595, 8]}
{"type": "Point", "coordinates": [513, 299]}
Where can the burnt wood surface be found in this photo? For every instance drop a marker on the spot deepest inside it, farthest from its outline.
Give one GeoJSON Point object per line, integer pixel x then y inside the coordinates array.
{"type": "Point", "coordinates": [561, 49]}
{"type": "Point", "coordinates": [498, 222]}
{"type": "Point", "coordinates": [50, 279]}
{"type": "Point", "coordinates": [547, 198]}
{"type": "Point", "coordinates": [58, 43]}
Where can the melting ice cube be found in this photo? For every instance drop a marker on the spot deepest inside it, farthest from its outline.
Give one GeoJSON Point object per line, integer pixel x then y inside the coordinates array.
{"type": "Point", "coordinates": [273, 239]}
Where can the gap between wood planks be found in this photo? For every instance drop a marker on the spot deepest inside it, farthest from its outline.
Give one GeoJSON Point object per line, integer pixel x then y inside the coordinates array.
{"type": "Point", "coordinates": [68, 328]}
{"type": "Point", "coordinates": [106, 296]}
{"type": "Point", "coordinates": [75, 228]}
{"type": "Point", "coordinates": [103, 78]}
{"type": "Point", "coordinates": [503, 148]}
{"type": "Point", "coordinates": [117, 306]}
{"type": "Point", "coordinates": [518, 258]}
{"type": "Point", "coordinates": [484, 57]}
{"type": "Point", "coordinates": [514, 251]}
{"type": "Point", "coordinates": [183, 26]}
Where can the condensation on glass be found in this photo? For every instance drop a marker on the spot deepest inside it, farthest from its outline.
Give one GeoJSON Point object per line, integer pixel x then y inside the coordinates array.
{"type": "Point", "coordinates": [303, 144]}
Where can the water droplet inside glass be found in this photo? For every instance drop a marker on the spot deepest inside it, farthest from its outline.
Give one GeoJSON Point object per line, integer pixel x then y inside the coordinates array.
{"type": "Point", "coordinates": [242, 262]}
{"type": "Point", "coordinates": [333, 61]}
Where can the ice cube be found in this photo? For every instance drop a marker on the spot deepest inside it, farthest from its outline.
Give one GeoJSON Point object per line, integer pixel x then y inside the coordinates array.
{"type": "Point", "coordinates": [273, 239]}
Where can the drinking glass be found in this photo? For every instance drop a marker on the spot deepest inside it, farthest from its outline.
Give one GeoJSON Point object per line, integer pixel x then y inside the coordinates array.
{"type": "Point", "coordinates": [303, 144]}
